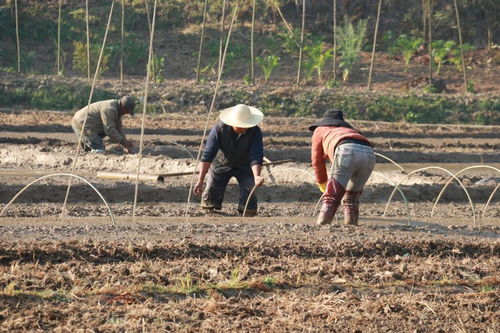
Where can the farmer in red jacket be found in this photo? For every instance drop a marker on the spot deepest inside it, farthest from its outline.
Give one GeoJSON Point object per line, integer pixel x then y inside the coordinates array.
{"type": "Point", "coordinates": [352, 159]}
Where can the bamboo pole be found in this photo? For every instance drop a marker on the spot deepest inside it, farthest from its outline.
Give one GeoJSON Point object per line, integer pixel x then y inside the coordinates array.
{"type": "Point", "coordinates": [424, 21]}
{"type": "Point", "coordinates": [221, 40]}
{"type": "Point", "coordinates": [145, 103]}
{"type": "Point", "coordinates": [201, 41]}
{"type": "Point", "coordinates": [149, 26]}
{"type": "Point", "coordinates": [430, 42]}
{"type": "Point", "coordinates": [161, 177]}
{"type": "Point", "coordinates": [301, 40]}
{"type": "Point", "coordinates": [17, 39]}
{"type": "Point", "coordinates": [251, 42]}
{"type": "Point", "coordinates": [290, 31]}
{"type": "Point", "coordinates": [87, 19]}
{"type": "Point", "coordinates": [374, 45]}
{"type": "Point", "coordinates": [334, 41]}
{"type": "Point", "coordinates": [59, 39]}
{"type": "Point", "coordinates": [121, 41]}
{"type": "Point", "coordinates": [464, 68]}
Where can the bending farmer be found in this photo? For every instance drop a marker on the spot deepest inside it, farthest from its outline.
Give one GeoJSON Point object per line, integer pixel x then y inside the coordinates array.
{"type": "Point", "coordinates": [104, 119]}
{"type": "Point", "coordinates": [352, 159]}
{"type": "Point", "coordinates": [234, 149]}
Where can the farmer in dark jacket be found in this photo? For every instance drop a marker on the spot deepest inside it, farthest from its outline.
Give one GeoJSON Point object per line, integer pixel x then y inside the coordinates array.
{"type": "Point", "coordinates": [234, 149]}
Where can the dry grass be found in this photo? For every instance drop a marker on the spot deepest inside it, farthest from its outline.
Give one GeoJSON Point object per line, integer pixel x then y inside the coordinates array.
{"type": "Point", "coordinates": [116, 286]}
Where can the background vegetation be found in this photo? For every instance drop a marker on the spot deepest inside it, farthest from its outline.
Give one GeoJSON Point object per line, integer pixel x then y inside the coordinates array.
{"type": "Point", "coordinates": [403, 35]}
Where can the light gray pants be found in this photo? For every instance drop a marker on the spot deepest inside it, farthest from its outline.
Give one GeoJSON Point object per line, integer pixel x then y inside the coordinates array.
{"type": "Point", "coordinates": [352, 166]}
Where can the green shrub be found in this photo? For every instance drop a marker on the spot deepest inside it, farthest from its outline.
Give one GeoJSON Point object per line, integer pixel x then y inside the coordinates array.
{"type": "Point", "coordinates": [407, 46]}
{"type": "Point", "coordinates": [158, 68]}
{"type": "Point", "coordinates": [350, 40]}
{"type": "Point", "coordinates": [28, 61]}
{"type": "Point", "coordinates": [80, 58]}
{"type": "Point", "coordinates": [289, 43]}
{"type": "Point", "coordinates": [135, 53]}
{"type": "Point", "coordinates": [317, 55]}
{"type": "Point", "coordinates": [268, 64]}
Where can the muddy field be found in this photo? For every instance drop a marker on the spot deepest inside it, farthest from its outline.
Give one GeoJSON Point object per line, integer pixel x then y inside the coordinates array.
{"type": "Point", "coordinates": [173, 268]}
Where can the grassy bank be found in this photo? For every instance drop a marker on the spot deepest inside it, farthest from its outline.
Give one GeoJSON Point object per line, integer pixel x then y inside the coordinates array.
{"type": "Point", "coordinates": [424, 108]}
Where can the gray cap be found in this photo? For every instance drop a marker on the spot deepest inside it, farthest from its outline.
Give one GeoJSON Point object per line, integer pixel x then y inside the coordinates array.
{"type": "Point", "coordinates": [128, 103]}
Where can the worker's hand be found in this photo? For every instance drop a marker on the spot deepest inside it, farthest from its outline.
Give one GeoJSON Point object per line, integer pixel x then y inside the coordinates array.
{"type": "Point", "coordinates": [322, 187]}
{"type": "Point", "coordinates": [127, 145]}
{"type": "Point", "coordinates": [259, 180]}
{"type": "Point", "coordinates": [198, 188]}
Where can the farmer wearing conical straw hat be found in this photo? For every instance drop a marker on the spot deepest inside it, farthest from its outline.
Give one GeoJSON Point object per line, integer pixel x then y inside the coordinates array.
{"type": "Point", "coordinates": [233, 149]}
{"type": "Point", "coordinates": [353, 160]}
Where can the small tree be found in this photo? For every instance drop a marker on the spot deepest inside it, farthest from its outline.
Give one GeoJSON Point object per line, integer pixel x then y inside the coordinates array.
{"type": "Point", "coordinates": [350, 41]}
{"type": "Point", "coordinates": [408, 46]}
{"type": "Point", "coordinates": [268, 64]}
{"type": "Point", "coordinates": [317, 55]}
{"type": "Point", "coordinates": [440, 51]}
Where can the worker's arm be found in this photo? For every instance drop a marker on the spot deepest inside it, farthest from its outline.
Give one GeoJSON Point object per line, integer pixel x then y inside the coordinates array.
{"type": "Point", "coordinates": [318, 159]}
{"type": "Point", "coordinates": [108, 117]}
{"type": "Point", "coordinates": [198, 188]}
{"type": "Point", "coordinates": [257, 156]}
{"type": "Point", "coordinates": [125, 143]}
{"type": "Point", "coordinates": [211, 149]}
{"type": "Point", "coordinates": [256, 169]}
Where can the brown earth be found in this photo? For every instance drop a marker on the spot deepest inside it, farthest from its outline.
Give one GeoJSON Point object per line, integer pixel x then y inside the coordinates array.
{"type": "Point", "coordinates": [277, 272]}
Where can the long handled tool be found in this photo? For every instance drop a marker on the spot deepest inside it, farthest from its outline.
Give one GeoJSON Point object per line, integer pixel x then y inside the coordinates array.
{"type": "Point", "coordinates": [161, 177]}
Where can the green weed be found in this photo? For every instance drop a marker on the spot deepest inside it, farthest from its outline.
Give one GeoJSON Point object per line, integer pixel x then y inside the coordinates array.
{"type": "Point", "coordinates": [268, 64]}
{"type": "Point", "coordinates": [317, 55]}
{"type": "Point", "coordinates": [186, 285]}
{"type": "Point", "coordinates": [270, 281]}
{"type": "Point", "coordinates": [407, 46]}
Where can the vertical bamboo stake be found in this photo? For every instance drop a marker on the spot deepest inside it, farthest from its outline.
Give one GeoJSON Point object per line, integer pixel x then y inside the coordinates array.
{"type": "Point", "coordinates": [87, 19]}
{"type": "Point", "coordinates": [334, 41]}
{"type": "Point", "coordinates": [490, 37]}
{"type": "Point", "coordinates": [424, 21]}
{"type": "Point", "coordinates": [153, 64]}
{"type": "Point", "coordinates": [374, 45]}
{"type": "Point", "coordinates": [59, 39]}
{"type": "Point", "coordinates": [221, 41]}
{"type": "Point", "coordinates": [146, 90]}
{"type": "Point", "coordinates": [251, 43]}
{"type": "Point", "coordinates": [283, 18]}
{"type": "Point", "coordinates": [301, 39]}
{"type": "Point", "coordinates": [201, 41]}
{"type": "Point", "coordinates": [17, 40]}
{"type": "Point", "coordinates": [121, 42]}
{"type": "Point", "coordinates": [430, 42]}
{"type": "Point", "coordinates": [464, 68]}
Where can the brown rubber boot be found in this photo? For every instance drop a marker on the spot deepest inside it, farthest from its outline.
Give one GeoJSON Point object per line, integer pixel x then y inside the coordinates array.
{"type": "Point", "coordinates": [350, 204]}
{"type": "Point", "coordinates": [331, 202]}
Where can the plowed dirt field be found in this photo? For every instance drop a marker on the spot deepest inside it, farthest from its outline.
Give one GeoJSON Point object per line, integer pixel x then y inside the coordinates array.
{"type": "Point", "coordinates": [409, 266]}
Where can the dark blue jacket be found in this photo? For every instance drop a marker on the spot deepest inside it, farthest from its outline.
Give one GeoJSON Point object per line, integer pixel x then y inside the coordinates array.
{"type": "Point", "coordinates": [226, 150]}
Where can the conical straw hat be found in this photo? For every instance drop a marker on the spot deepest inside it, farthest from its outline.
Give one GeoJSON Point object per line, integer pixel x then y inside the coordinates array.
{"type": "Point", "coordinates": [241, 115]}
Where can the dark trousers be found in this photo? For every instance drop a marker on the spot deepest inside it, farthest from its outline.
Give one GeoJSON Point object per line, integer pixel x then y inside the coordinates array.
{"type": "Point", "coordinates": [90, 140]}
{"type": "Point", "coordinates": [213, 195]}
